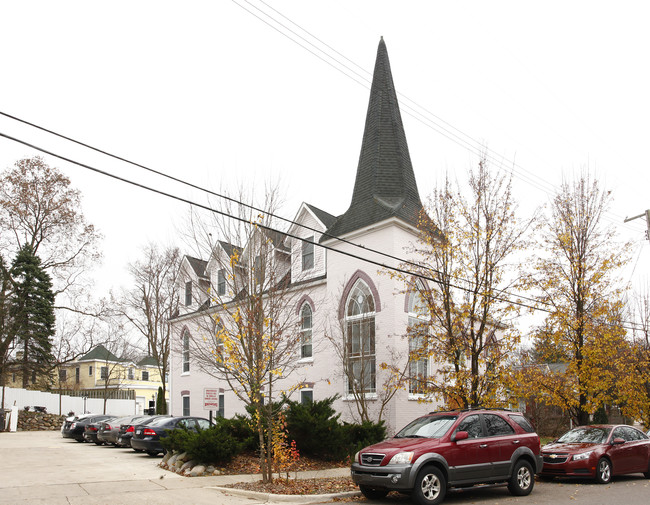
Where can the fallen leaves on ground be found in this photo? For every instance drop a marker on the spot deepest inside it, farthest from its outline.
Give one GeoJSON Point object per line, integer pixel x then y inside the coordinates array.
{"type": "Point", "coordinates": [300, 486]}
{"type": "Point", "coordinates": [250, 463]}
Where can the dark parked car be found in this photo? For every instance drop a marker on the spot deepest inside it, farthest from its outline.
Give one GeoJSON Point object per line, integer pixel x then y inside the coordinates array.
{"type": "Point", "coordinates": [451, 449]}
{"type": "Point", "coordinates": [109, 429]}
{"type": "Point", "coordinates": [75, 428]}
{"type": "Point", "coordinates": [91, 430]}
{"type": "Point", "coordinates": [598, 452]}
{"type": "Point", "coordinates": [127, 429]}
{"type": "Point", "coordinates": [147, 436]}
{"type": "Point", "coordinates": [65, 428]}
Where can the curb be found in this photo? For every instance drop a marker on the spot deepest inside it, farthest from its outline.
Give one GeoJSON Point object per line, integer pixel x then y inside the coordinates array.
{"type": "Point", "coordinates": [290, 498]}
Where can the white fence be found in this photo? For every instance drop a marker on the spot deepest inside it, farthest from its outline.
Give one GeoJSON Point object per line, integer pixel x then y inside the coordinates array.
{"type": "Point", "coordinates": [62, 404]}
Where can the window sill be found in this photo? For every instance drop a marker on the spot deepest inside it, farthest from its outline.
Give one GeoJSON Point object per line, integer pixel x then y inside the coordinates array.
{"type": "Point", "coordinates": [184, 374]}
{"type": "Point", "coordinates": [304, 361]}
{"type": "Point", "coordinates": [367, 396]}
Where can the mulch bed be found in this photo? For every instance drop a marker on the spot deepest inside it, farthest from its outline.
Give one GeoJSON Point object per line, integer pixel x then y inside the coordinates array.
{"type": "Point", "coordinates": [249, 463]}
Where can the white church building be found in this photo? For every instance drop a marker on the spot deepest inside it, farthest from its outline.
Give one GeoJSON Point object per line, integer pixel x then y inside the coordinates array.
{"type": "Point", "coordinates": [333, 289]}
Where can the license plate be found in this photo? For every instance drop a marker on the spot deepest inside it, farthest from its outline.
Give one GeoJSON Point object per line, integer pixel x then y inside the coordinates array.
{"type": "Point", "coordinates": [138, 432]}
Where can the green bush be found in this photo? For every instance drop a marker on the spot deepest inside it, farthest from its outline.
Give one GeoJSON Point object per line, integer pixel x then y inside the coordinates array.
{"type": "Point", "coordinates": [214, 445]}
{"type": "Point", "coordinates": [315, 428]}
{"type": "Point", "coordinates": [358, 436]}
{"type": "Point", "coordinates": [241, 429]}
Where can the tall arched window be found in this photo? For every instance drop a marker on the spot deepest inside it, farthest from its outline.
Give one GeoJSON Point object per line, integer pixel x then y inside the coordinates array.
{"type": "Point", "coordinates": [360, 340]}
{"type": "Point", "coordinates": [305, 330]}
{"type": "Point", "coordinates": [186, 351]}
{"type": "Point", "coordinates": [418, 322]}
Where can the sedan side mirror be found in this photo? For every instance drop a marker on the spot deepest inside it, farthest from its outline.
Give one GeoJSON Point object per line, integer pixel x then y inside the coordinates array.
{"type": "Point", "coordinates": [618, 441]}
{"type": "Point", "coordinates": [460, 435]}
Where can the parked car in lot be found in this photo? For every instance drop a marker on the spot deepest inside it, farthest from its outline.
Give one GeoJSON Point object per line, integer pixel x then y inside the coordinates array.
{"type": "Point", "coordinates": [127, 429]}
{"type": "Point", "coordinates": [65, 427]}
{"type": "Point", "coordinates": [91, 430]}
{"type": "Point", "coordinates": [75, 428]}
{"type": "Point", "coordinates": [451, 449]}
{"type": "Point", "coordinates": [598, 452]}
{"type": "Point", "coordinates": [146, 437]}
{"type": "Point", "coordinates": [109, 429]}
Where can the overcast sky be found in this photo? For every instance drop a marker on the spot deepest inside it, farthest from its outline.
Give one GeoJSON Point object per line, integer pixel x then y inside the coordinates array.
{"type": "Point", "coordinates": [208, 92]}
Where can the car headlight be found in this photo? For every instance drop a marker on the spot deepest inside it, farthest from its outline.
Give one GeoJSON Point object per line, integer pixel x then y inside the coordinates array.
{"type": "Point", "coordinates": [401, 458]}
{"type": "Point", "coordinates": [356, 457]}
{"type": "Point", "coordinates": [581, 456]}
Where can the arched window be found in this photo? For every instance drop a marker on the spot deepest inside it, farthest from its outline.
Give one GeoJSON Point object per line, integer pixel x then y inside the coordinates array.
{"type": "Point", "coordinates": [360, 340]}
{"type": "Point", "coordinates": [305, 330]}
{"type": "Point", "coordinates": [418, 323]}
{"type": "Point", "coordinates": [186, 351]}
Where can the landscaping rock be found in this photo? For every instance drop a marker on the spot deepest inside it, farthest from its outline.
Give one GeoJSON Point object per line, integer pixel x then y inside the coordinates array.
{"type": "Point", "coordinates": [197, 471]}
{"type": "Point", "coordinates": [188, 464]}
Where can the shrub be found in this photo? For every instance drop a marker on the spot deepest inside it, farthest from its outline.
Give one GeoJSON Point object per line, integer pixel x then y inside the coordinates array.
{"type": "Point", "coordinates": [214, 445]}
{"type": "Point", "coordinates": [315, 428]}
{"type": "Point", "coordinates": [358, 436]}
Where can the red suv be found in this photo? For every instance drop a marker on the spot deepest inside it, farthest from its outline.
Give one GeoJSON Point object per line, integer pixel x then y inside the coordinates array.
{"type": "Point", "coordinates": [449, 449]}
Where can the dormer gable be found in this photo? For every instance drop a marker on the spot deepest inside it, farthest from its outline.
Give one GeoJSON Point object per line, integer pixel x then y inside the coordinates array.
{"type": "Point", "coordinates": [308, 260]}
{"type": "Point", "coordinates": [224, 270]}
{"type": "Point", "coordinates": [193, 283]}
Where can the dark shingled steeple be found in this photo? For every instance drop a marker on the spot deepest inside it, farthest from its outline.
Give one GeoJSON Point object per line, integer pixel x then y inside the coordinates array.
{"type": "Point", "coordinates": [385, 186]}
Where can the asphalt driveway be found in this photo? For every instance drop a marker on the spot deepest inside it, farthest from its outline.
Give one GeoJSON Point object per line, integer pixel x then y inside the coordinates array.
{"type": "Point", "coordinates": [46, 469]}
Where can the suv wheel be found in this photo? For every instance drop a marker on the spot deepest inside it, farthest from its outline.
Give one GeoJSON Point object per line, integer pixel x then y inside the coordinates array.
{"type": "Point", "coordinates": [373, 493]}
{"type": "Point", "coordinates": [430, 486]}
{"type": "Point", "coordinates": [522, 479]}
{"type": "Point", "coordinates": [603, 471]}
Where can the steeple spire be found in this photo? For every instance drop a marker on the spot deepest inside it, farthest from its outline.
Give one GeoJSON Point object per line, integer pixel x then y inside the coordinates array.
{"type": "Point", "coordinates": [385, 184]}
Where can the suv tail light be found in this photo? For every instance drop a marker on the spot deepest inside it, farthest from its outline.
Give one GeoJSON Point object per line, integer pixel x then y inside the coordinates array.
{"type": "Point", "coordinates": [130, 429]}
{"type": "Point", "coordinates": [149, 431]}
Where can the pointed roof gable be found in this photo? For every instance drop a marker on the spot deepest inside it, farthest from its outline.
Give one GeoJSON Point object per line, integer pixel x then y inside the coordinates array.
{"type": "Point", "coordinates": [100, 353]}
{"type": "Point", "coordinates": [197, 265]}
{"type": "Point", "coordinates": [385, 184]}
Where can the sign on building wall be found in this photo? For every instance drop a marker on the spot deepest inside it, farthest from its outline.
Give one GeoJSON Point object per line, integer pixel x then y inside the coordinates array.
{"type": "Point", "coordinates": [211, 398]}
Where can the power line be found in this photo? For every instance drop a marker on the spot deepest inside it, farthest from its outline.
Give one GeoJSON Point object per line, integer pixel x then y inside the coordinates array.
{"type": "Point", "coordinates": [269, 228]}
{"type": "Point", "coordinates": [472, 145]}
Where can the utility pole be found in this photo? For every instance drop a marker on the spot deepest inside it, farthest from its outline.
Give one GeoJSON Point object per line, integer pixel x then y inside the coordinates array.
{"type": "Point", "coordinates": [646, 214]}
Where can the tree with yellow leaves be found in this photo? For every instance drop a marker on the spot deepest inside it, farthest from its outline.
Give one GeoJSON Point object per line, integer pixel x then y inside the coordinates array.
{"type": "Point", "coordinates": [575, 278]}
{"type": "Point", "coordinates": [466, 250]}
{"type": "Point", "coordinates": [249, 336]}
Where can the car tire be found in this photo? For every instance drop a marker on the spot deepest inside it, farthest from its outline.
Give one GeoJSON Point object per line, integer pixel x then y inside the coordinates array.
{"type": "Point", "coordinates": [603, 471]}
{"type": "Point", "coordinates": [99, 442]}
{"type": "Point", "coordinates": [373, 493]}
{"type": "Point", "coordinates": [152, 453]}
{"type": "Point", "coordinates": [522, 480]}
{"type": "Point", "coordinates": [430, 486]}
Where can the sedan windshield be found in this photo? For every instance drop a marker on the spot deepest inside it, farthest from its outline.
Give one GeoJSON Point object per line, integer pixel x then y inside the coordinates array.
{"type": "Point", "coordinates": [427, 427]}
{"type": "Point", "coordinates": [585, 434]}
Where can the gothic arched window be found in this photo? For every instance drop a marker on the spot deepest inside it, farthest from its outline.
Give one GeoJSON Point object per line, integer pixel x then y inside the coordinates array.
{"type": "Point", "coordinates": [305, 331]}
{"type": "Point", "coordinates": [360, 340]}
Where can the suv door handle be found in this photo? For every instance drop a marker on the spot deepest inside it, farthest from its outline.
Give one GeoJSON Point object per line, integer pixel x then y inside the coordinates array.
{"type": "Point", "coordinates": [483, 446]}
{"type": "Point", "coordinates": [515, 441]}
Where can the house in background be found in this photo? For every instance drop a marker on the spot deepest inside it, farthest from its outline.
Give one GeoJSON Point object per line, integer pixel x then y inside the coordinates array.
{"type": "Point", "coordinates": [334, 288]}
{"type": "Point", "coordinates": [101, 374]}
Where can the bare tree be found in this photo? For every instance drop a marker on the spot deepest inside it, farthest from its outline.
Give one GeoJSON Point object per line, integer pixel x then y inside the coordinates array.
{"type": "Point", "coordinates": [39, 207]}
{"type": "Point", "coordinates": [249, 337]}
{"type": "Point", "coordinates": [153, 301]}
{"type": "Point", "coordinates": [372, 386]}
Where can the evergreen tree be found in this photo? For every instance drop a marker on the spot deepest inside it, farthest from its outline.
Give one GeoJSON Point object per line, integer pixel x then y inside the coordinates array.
{"type": "Point", "coordinates": [161, 405]}
{"type": "Point", "coordinates": [32, 312]}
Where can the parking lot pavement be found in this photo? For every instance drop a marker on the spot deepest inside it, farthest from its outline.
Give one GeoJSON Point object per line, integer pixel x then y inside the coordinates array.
{"type": "Point", "coordinates": [44, 468]}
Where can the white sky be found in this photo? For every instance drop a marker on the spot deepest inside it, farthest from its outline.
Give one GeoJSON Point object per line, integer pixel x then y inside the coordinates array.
{"type": "Point", "coordinates": [207, 92]}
